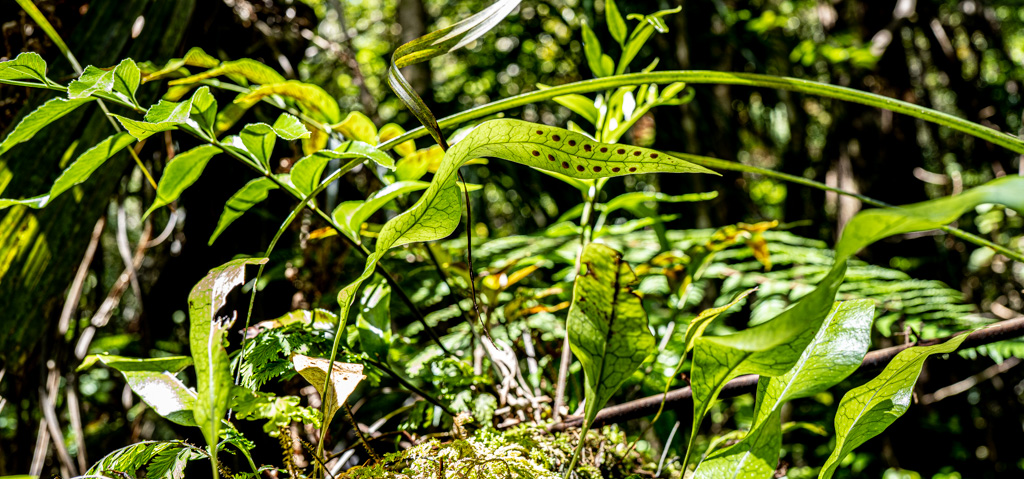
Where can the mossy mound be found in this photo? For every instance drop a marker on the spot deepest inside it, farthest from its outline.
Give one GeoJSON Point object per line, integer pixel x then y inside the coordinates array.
{"type": "Point", "coordinates": [522, 452]}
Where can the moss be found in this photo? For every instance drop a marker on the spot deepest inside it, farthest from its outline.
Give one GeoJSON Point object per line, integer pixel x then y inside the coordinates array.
{"type": "Point", "coordinates": [522, 452]}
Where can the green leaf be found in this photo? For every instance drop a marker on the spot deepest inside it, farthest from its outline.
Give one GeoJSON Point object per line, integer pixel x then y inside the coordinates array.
{"type": "Point", "coordinates": [251, 70]}
{"type": "Point", "coordinates": [181, 172]}
{"type": "Point", "coordinates": [414, 166]}
{"type": "Point", "coordinates": [616, 25]}
{"type": "Point", "coordinates": [170, 463]}
{"type": "Point", "coordinates": [259, 138]}
{"type": "Point", "coordinates": [128, 460]}
{"type": "Point", "coordinates": [351, 215]}
{"type": "Point", "coordinates": [357, 126]}
{"type": "Point", "coordinates": [580, 105]}
{"type": "Point", "coordinates": [607, 328]}
{"type": "Point", "coordinates": [91, 81]}
{"type": "Point", "coordinates": [169, 115]}
{"type": "Point", "coordinates": [27, 65]}
{"type": "Point", "coordinates": [307, 171]}
{"type": "Point", "coordinates": [78, 171]}
{"type": "Point", "coordinates": [437, 43]}
{"type": "Point", "coordinates": [867, 410]}
{"type": "Point", "coordinates": [49, 112]}
{"type": "Point", "coordinates": [753, 457]}
{"type": "Point", "coordinates": [206, 339]}
{"type": "Point", "coordinates": [126, 78]}
{"type": "Point", "coordinates": [279, 412]}
{"type": "Point", "coordinates": [773, 347]}
{"type": "Point", "coordinates": [835, 352]}
{"type": "Point", "coordinates": [592, 50]}
{"type": "Point", "coordinates": [312, 99]}
{"type": "Point", "coordinates": [436, 214]}
{"type": "Point", "coordinates": [697, 325]}
{"type": "Point", "coordinates": [155, 382]}
{"type": "Point", "coordinates": [374, 320]}
{"type": "Point", "coordinates": [246, 197]}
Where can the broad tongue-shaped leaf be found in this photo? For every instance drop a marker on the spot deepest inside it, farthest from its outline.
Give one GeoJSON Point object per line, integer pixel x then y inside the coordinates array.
{"type": "Point", "coordinates": [834, 353]}
{"type": "Point", "coordinates": [773, 347]}
{"type": "Point", "coordinates": [374, 321]}
{"type": "Point", "coordinates": [607, 328]}
{"type": "Point", "coordinates": [343, 381]}
{"type": "Point", "coordinates": [206, 338]}
{"type": "Point", "coordinates": [436, 214]}
{"type": "Point", "coordinates": [866, 411]}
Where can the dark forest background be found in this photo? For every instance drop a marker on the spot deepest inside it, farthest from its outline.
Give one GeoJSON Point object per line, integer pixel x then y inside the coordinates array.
{"type": "Point", "coordinates": [963, 57]}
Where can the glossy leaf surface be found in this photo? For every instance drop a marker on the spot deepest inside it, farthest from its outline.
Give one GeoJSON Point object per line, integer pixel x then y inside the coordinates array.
{"type": "Point", "coordinates": [25, 66]}
{"type": "Point", "coordinates": [246, 197]}
{"type": "Point", "coordinates": [867, 410]}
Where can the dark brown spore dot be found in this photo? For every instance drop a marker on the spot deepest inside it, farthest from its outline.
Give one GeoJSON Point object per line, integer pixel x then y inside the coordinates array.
{"type": "Point", "coordinates": [551, 157]}
{"type": "Point", "coordinates": [636, 153]}
{"type": "Point", "coordinates": [556, 138]}
{"type": "Point", "coordinates": [621, 151]}
{"type": "Point", "coordinates": [586, 147]}
{"type": "Point", "coordinates": [654, 155]}
{"type": "Point", "coordinates": [539, 132]}
{"type": "Point", "coordinates": [536, 153]}
{"type": "Point", "coordinates": [572, 142]}
{"type": "Point", "coordinates": [565, 164]}
{"type": "Point", "coordinates": [597, 169]}
{"type": "Point", "coordinates": [615, 170]}
{"type": "Point", "coordinates": [633, 169]}
{"type": "Point", "coordinates": [580, 167]}
{"type": "Point", "coordinates": [604, 149]}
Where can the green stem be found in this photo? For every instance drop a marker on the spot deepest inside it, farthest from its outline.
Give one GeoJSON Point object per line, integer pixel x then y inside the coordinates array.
{"type": "Point", "coordinates": [698, 77]}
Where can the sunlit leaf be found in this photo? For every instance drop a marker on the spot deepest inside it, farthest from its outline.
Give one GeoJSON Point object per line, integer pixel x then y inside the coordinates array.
{"type": "Point", "coordinates": [374, 320]}
{"type": "Point", "coordinates": [181, 172]}
{"type": "Point", "coordinates": [867, 410]}
{"type": "Point", "coordinates": [753, 457]}
{"type": "Point", "coordinates": [259, 138]}
{"type": "Point", "coordinates": [91, 81]}
{"type": "Point", "coordinates": [695, 329]}
{"type": "Point", "coordinates": [607, 328]}
{"type": "Point", "coordinates": [616, 25]}
{"type": "Point", "coordinates": [437, 43]}
{"type": "Point", "coordinates": [25, 66]}
{"type": "Point", "coordinates": [251, 70]}
{"type": "Point", "coordinates": [126, 80]}
{"type": "Point", "coordinates": [357, 126]}
{"type": "Point", "coordinates": [206, 339]}
{"type": "Point", "coordinates": [351, 215]}
{"type": "Point", "coordinates": [438, 211]}
{"type": "Point", "coordinates": [312, 99]}
{"type": "Point", "coordinates": [154, 381]}
{"type": "Point", "coordinates": [592, 51]}
{"type": "Point", "coordinates": [32, 123]}
{"type": "Point", "coordinates": [248, 196]}
{"type": "Point", "coordinates": [307, 171]}
{"type": "Point", "coordinates": [392, 130]}
{"type": "Point", "coordinates": [344, 379]}
{"type": "Point", "coordinates": [417, 164]}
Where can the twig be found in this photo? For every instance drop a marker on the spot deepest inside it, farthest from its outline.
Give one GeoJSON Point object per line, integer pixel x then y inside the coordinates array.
{"type": "Point", "coordinates": [50, 415]}
{"type": "Point", "coordinates": [75, 292]}
{"type": "Point", "coordinates": [965, 385]}
{"type": "Point", "coordinates": [874, 360]}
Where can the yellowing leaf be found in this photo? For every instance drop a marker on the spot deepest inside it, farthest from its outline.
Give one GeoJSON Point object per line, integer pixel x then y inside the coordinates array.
{"type": "Point", "coordinates": [312, 99]}
{"type": "Point", "coordinates": [344, 379]}
{"type": "Point", "coordinates": [392, 130]}
{"type": "Point", "coordinates": [356, 126]}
